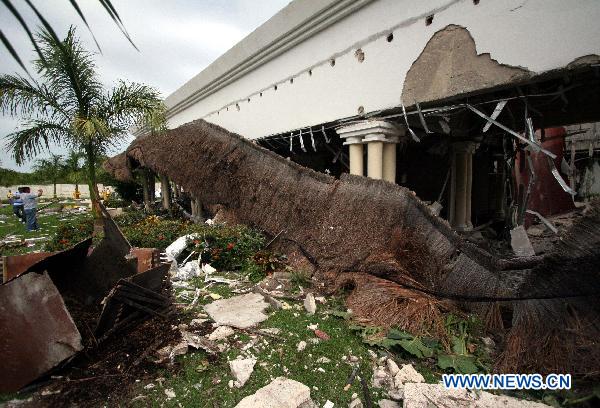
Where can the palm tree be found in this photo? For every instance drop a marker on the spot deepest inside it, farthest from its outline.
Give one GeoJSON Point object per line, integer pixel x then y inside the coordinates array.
{"type": "Point", "coordinates": [73, 167]}
{"type": "Point", "coordinates": [69, 106]}
{"type": "Point", "coordinates": [50, 169]}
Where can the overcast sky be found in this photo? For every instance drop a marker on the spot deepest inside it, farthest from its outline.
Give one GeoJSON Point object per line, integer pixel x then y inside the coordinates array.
{"type": "Point", "coordinates": [177, 39]}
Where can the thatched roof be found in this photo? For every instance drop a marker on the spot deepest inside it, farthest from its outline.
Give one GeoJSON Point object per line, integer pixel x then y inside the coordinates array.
{"type": "Point", "coordinates": [351, 224]}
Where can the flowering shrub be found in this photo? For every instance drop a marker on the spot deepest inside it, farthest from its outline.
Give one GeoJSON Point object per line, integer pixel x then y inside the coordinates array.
{"type": "Point", "coordinates": [70, 233]}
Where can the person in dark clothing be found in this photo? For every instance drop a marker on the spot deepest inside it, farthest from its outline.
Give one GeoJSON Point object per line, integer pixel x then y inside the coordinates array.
{"type": "Point", "coordinates": [17, 204]}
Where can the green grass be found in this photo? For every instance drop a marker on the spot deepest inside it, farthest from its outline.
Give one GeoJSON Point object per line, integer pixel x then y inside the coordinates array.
{"type": "Point", "coordinates": [48, 223]}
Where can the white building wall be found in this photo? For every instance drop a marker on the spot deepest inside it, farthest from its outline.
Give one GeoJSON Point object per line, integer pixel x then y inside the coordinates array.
{"type": "Point", "coordinates": [539, 35]}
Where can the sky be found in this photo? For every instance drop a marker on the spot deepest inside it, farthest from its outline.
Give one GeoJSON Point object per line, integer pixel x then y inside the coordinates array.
{"type": "Point", "coordinates": [176, 40]}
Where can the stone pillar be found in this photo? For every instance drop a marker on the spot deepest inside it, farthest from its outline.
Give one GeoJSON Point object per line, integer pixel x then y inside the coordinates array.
{"type": "Point", "coordinates": [381, 137]}
{"type": "Point", "coordinates": [462, 181]}
{"type": "Point", "coordinates": [389, 160]}
{"type": "Point", "coordinates": [357, 164]}
{"type": "Point", "coordinates": [375, 160]}
{"type": "Point", "coordinates": [165, 192]}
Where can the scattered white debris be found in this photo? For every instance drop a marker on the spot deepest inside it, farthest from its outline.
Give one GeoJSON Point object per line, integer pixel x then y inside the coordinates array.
{"type": "Point", "coordinates": [178, 246]}
{"type": "Point", "coordinates": [170, 393]}
{"type": "Point", "coordinates": [328, 404]}
{"type": "Point", "coordinates": [149, 386]}
{"type": "Point", "coordinates": [241, 369]}
{"type": "Point", "coordinates": [407, 374]}
{"type": "Point", "coordinates": [198, 322]}
{"type": "Point", "coordinates": [356, 403]}
{"type": "Point", "coordinates": [386, 403]}
{"type": "Point", "coordinates": [221, 333]}
{"type": "Point", "coordinates": [309, 304]}
{"type": "Point", "coordinates": [301, 346]}
{"type": "Point", "coordinates": [313, 327]}
{"type": "Point", "coordinates": [392, 367]}
{"type": "Point", "coordinates": [209, 221]}
{"type": "Point", "coordinates": [421, 395]}
{"type": "Point", "coordinates": [519, 241]}
{"type": "Point", "coordinates": [242, 311]}
{"type": "Point", "coordinates": [282, 393]}
{"type": "Point", "coordinates": [188, 271]}
{"type": "Point", "coordinates": [323, 360]}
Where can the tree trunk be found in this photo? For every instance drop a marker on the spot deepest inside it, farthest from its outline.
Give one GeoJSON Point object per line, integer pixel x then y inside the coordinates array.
{"type": "Point", "coordinates": [94, 194]}
{"type": "Point", "coordinates": [148, 199]}
{"type": "Point", "coordinates": [175, 192]}
{"type": "Point", "coordinates": [165, 188]}
{"type": "Point", "coordinates": [54, 189]}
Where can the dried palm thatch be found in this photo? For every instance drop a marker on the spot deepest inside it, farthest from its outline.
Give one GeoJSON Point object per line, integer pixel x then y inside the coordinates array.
{"type": "Point", "coordinates": [380, 302]}
{"type": "Point", "coordinates": [355, 224]}
{"type": "Point", "coordinates": [563, 332]}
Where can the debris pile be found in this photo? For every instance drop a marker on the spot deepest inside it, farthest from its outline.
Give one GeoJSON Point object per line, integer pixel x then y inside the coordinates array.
{"type": "Point", "coordinates": [51, 302]}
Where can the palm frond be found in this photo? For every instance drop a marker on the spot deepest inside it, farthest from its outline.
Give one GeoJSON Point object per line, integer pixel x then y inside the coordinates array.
{"type": "Point", "coordinates": [36, 137]}
{"type": "Point", "coordinates": [106, 4]}
{"type": "Point", "coordinates": [12, 51]}
{"type": "Point", "coordinates": [23, 24]}
{"type": "Point", "coordinates": [70, 69]}
{"type": "Point", "coordinates": [19, 96]}
{"type": "Point", "coordinates": [131, 104]}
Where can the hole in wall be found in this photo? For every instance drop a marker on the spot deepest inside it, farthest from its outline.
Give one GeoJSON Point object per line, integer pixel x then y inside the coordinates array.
{"type": "Point", "coordinates": [237, 106]}
{"type": "Point", "coordinates": [310, 72]}
{"type": "Point", "coordinates": [332, 62]}
{"type": "Point", "coordinates": [275, 87]}
{"type": "Point", "coordinates": [227, 109]}
{"type": "Point", "coordinates": [429, 20]}
{"type": "Point", "coordinates": [361, 110]}
{"type": "Point", "coordinates": [248, 99]}
{"type": "Point", "coordinates": [291, 80]}
{"type": "Point", "coordinates": [260, 94]}
{"type": "Point", "coordinates": [390, 37]}
{"type": "Point", "coordinates": [360, 55]}
{"type": "Point", "coordinates": [475, 2]}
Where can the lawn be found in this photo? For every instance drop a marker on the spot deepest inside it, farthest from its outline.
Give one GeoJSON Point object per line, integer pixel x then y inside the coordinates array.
{"type": "Point", "coordinates": [48, 221]}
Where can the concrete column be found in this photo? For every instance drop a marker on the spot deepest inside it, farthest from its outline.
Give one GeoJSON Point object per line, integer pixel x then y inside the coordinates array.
{"type": "Point", "coordinates": [375, 160]}
{"type": "Point", "coordinates": [468, 219]}
{"type": "Point", "coordinates": [165, 192]}
{"type": "Point", "coordinates": [462, 182]}
{"type": "Point", "coordinates": [389, 161]}
{"type": "Point", "coordinates": [357, 164]}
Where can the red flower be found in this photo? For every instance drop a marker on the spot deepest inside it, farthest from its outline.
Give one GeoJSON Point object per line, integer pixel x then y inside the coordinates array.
{"type": "Point", "coordinates": [230, 246]}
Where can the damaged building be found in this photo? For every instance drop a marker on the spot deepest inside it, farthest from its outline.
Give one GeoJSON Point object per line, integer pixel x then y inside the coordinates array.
{"type": "Point", "coordinates": [427, 95]}
{"type": "Point", "coordinates": [377, 132]}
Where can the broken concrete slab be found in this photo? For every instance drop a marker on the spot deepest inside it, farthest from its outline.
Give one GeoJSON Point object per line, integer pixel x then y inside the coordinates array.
{"type": "Point", "coordinates": [421, 395]}
{"type": "Point", "coordinates": [38, 332]}
{"type": "Point", "coordinates": [280, 393]}
{"type": "Point", "coordinates": [407, 374]}
{"type": "Point", "coordinates": [241, 369]}
{"type": "Point", "coordinates": [519, 241]}
{"type": "Point", "coordinates": [242, 311]}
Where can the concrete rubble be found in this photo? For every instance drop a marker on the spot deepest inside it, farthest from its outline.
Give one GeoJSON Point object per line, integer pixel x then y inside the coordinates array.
{"type": "Point", "coordinates": [420, 395]}
{"type": "Point", "coordinates": [309, 304]}
{"type": "Point", "coordinates": [280, 393]}
{"type": "Point", "coordinates": [241, 369]}
{"type": "Point", "coordinates": [221, 333]}
{"type": "Point", "coordinates": [242, 312]}
{"type": "Point", "coordinates": [390, 377]}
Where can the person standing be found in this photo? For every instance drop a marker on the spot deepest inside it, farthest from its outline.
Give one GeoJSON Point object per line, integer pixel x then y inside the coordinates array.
{"type": "Point", "coordinates": [17, 205]}
{"type": "Point", "coordinates": [30, 208]}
